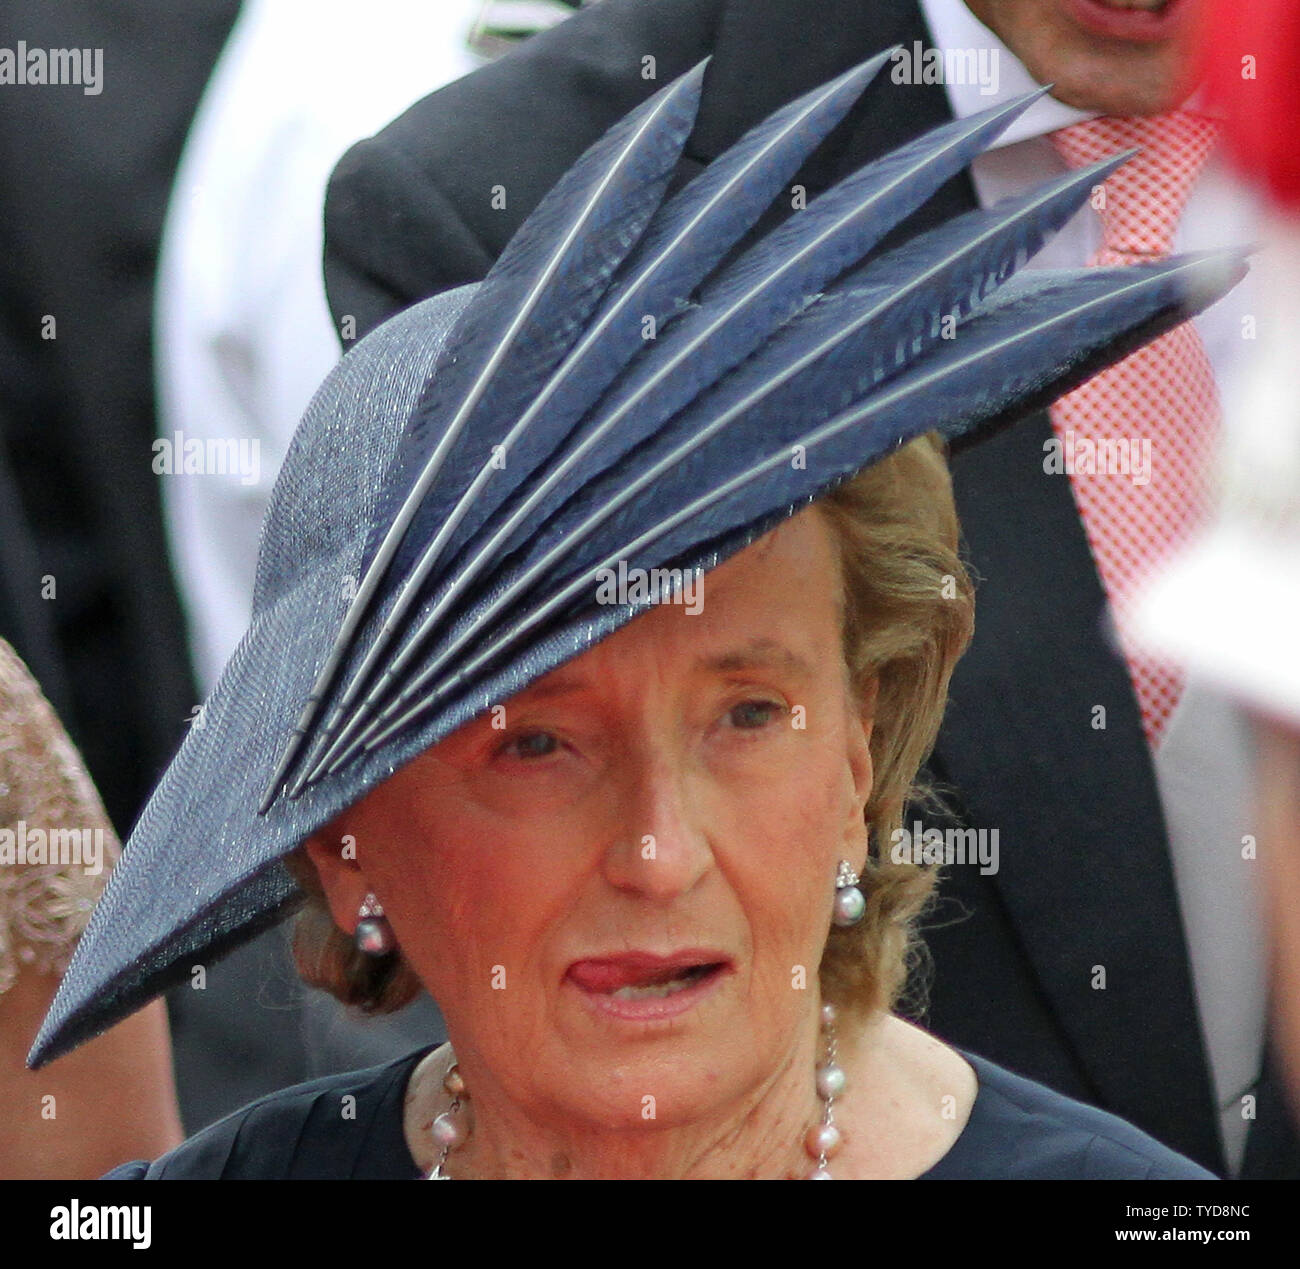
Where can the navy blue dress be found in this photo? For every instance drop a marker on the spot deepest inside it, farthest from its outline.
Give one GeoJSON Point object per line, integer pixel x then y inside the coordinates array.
{"type": "Point", "coordinates": [349, 1127]}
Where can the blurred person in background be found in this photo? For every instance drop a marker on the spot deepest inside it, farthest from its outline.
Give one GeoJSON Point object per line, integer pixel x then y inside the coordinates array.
{"type": "Point", "coordinates": [1119, 935]}
{"type": "Point", "coordinates": [116, 1096]}
{"type": "Point", "coordinates": [243, 334]}
{"type": "Point", "coordinates": [84, 179]}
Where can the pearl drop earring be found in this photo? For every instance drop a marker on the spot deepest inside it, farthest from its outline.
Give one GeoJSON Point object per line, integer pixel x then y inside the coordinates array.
{"type": "Point", "coordinates": [374, 936]}
{"type": "Point", "coordinates": [850, 907]}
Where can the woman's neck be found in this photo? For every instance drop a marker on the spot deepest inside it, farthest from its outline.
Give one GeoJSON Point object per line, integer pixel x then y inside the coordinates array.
{"type": "Point", "coordinates": [760, 1134]}
{"type": "Point", "coordinates": [906, 1100]}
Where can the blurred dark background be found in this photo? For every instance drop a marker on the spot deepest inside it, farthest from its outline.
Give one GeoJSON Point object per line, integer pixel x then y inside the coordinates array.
{"type": "Point", "coordinates": [86, 594]}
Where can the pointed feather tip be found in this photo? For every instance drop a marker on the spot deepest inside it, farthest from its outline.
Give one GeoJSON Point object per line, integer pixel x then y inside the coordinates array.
{"type": "Point", "coordinates": [683, 91]}
{"type": "Point", "coordinates": [690, 83]}
{"type": "Point", "coordinates": [864, 72]}
{"type": "Point", "coordinates": [1010, 110]}
{"type": "Point", "coordinates": [994, 121]}
{"type": "Point", "coordinates": [1106, 167]}
{"type": "Point", "coordinates": [1206, 276]}
{"type": "Point", "coordinates": [1200, 278]}
{"type": "Point", "coordinates": [1198, 281]}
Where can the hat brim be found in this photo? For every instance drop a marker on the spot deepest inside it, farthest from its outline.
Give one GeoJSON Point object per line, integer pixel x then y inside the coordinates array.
{"type": "Point", "coordinates": [202, 870]}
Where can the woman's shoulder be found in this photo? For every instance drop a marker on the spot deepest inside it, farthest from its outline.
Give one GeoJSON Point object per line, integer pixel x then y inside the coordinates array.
{"type": "Point", "coordinates": [349, 1126]}
{"type": "Point", "coordinates": [339, 1127]}
{"type": "Point", "coordinates": [1019, 1129]}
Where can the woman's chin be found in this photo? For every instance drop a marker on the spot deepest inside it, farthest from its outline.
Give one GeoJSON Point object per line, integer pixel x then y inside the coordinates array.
{"type": "Point", "coordinates": [644, 1062]}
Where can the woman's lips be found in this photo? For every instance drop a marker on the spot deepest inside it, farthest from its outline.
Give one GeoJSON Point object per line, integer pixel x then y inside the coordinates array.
{"type": "Point", "coordinates": [1139, 25]}
{"type": "Point", "coordinates": [641, 986]}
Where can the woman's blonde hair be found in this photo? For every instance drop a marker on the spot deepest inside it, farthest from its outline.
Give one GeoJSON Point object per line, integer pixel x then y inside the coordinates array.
{"type": "Point", "coordinates": [908, 611]}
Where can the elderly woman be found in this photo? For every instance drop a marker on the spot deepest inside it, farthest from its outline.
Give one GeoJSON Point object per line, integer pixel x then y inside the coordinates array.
{"type": "Point", "coordinates": [637, 874]}
{"type": "Point", "coordinates": [605, 613]}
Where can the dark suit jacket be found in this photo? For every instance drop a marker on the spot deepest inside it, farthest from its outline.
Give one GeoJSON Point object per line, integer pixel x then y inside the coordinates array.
{"type": "Point", "coordinates": [84, 182]}
{"type": "Point", "coordinates": [1085, 878]}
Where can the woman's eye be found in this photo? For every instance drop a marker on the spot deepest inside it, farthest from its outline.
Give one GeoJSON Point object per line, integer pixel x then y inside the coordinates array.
{"type": "Point", "coordinates": [752, 715]}
{"type": "Point", "coordinates": [533, 744]}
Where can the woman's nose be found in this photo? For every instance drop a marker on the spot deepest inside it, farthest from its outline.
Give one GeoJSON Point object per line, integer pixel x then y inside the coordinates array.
{"type": "Point", "coordinates": [662, 849]}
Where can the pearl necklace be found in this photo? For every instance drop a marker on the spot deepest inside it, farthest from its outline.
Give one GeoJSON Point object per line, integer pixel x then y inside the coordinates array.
{"type": "Point", "coordinates": [822, 1141]}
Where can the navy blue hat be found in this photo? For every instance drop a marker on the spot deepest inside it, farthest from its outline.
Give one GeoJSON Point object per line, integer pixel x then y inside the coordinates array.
{"type": "Point", "coordinates": [625, 388]}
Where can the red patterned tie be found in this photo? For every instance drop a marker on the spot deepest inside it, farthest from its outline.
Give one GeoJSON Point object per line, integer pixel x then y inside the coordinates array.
{"type": "Point", "coordinates": [1160, 402]}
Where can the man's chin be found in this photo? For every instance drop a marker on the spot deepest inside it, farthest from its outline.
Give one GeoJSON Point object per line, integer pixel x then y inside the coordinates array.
{"type": "Point", "coordinates": [1109, 90]}
{"type": "Point", "coordinates": [1112, 77]}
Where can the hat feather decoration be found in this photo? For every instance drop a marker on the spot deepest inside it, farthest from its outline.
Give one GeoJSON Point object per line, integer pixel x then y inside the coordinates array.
{"type": "Point", "coordinates": [836, 348]}
{"type": "Point", "coordinates": [530, 307]}
{"type": "Point", "coordinates": [735, 312]}
{"type": "Point", "coordinates": [524, 409]}
{"type": "Point", "coordinates": [1058, 325]}
{"type": "Point", "coordinates": [473, 521]}
{"type": "Point", "coordinates": [628, 386]}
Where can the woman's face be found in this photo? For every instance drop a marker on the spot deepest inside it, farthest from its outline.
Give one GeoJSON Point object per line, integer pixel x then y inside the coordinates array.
{"type": "Point", "coordinates": [621, 886]}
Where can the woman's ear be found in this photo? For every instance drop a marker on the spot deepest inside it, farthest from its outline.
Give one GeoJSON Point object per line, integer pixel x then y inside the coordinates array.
{"type": "Point", "coordinates": [863, 773]}
{"type": "Point", "coordinates": [867, 705]}
{"type": "Point", "coordinates": [861, 723]}
{"type": "Point", "coordinates": [333, 855]}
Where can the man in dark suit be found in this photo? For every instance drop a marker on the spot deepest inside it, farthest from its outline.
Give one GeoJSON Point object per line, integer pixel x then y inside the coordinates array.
{"type": "Point", "coordinates": [1070, 963]}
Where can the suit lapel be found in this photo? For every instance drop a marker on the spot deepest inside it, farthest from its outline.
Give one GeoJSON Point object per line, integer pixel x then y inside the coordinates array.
{"type": "Point", "coordinates": [752, 73]}
{"type": "Point", "coordinates": [1044, 740]}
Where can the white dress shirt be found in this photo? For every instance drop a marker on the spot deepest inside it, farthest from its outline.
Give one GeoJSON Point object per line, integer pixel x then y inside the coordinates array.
{"type": "Point", "coordinates": [1203, 763]}
{"type": "Point", "coordinates": [243, 330]}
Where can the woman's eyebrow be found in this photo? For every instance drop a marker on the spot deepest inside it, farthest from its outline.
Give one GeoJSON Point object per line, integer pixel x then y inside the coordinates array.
{"type": "Point", "coordinates": [548, 687]}
{"type": "Point", "coordinates": [762, 653]}
{"type": "Point", "coordinates": [758, 653]}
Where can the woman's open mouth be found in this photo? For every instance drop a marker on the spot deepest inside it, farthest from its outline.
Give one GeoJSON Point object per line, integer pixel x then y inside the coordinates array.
{"type": "Point", "coordinates": [641, 986]}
